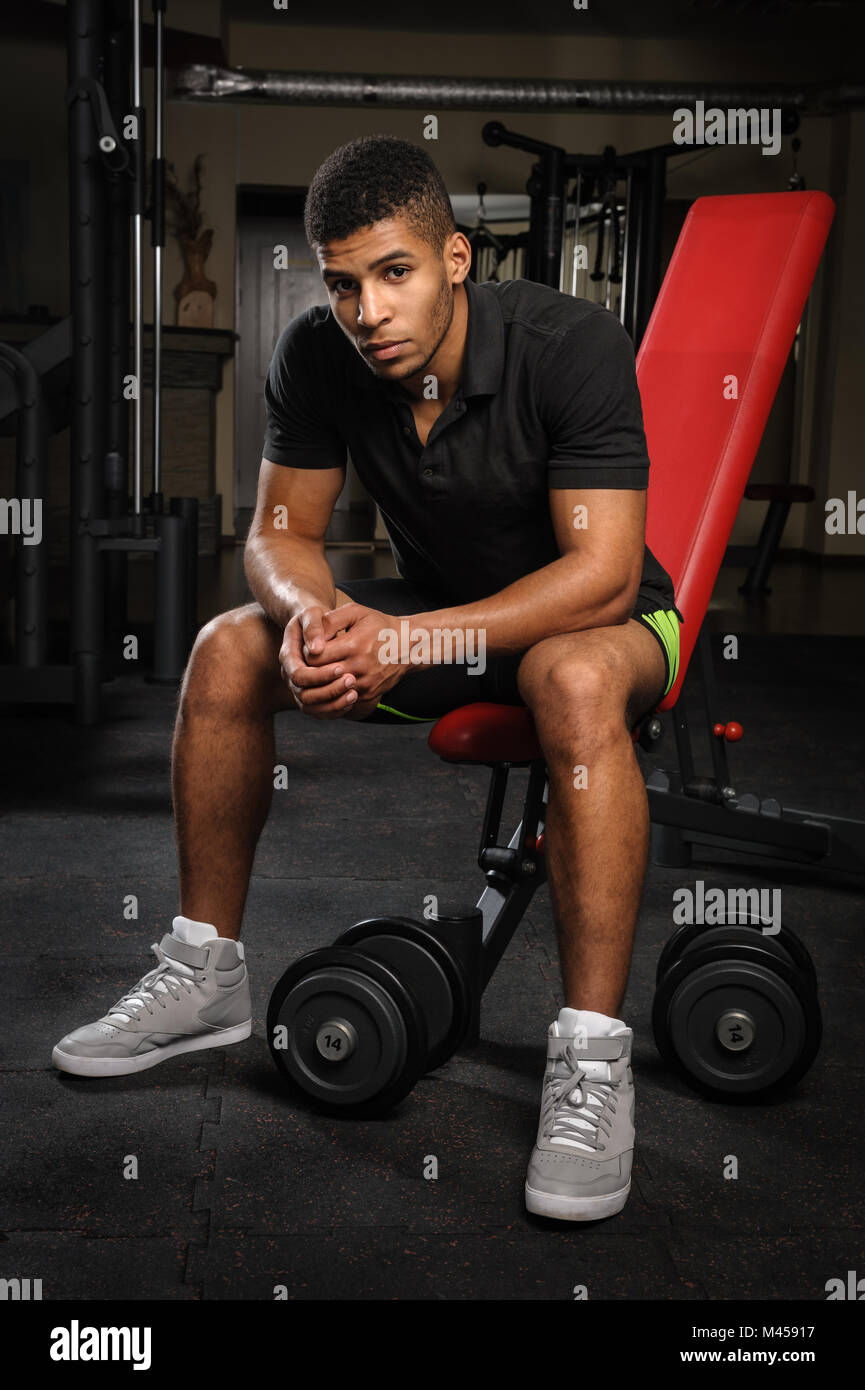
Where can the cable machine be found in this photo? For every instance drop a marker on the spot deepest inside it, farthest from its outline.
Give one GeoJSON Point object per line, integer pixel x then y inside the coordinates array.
{"type": "Point", "coordinates": [588, 235]}
{"type": "Point", "coordinates": [107, 186]}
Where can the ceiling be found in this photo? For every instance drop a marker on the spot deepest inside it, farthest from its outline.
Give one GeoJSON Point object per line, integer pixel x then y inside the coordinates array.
{"type": "Point", "coordinates": [843, 20]}
{"type": "Point", "coordinates": [46, 21]}
{"type": "Point", "coordinates": [193, 37]}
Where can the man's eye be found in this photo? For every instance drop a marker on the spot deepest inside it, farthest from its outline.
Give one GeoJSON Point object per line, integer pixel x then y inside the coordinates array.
{"type": "Point", "coordinates": [338, 284]}
{"type": "Point", "coordinates": [399, 270]}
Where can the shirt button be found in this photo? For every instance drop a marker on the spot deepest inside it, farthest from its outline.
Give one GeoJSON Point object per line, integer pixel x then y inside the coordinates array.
{"type": "Point", "coordinates": [427, 472]}
{"type": "Point", "coordinates": [406, 429]}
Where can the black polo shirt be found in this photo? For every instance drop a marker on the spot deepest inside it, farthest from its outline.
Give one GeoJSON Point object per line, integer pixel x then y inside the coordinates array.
{"type": "Point", "coordinates": [548, 399]}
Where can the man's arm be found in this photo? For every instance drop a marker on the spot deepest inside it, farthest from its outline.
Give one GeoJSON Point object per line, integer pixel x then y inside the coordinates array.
{"type": "Point", "coordinates": [288, 574]}
{"type": "Point", "coordinates": [284, 555]}
{"type": "Point", "coordinates": [593, 584]}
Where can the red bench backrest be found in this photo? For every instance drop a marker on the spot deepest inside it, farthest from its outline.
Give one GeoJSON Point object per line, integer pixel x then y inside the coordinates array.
{"type": "Point", "coordinates": [730, 303]}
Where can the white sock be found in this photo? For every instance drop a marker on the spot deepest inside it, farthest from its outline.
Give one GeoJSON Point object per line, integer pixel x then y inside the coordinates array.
{"type": "Point", "coordinates": [198, 933]}
{"type": "Point", "coordinates": [596, 1026]}
{"type": "Point", "coordinates": [191, 932]}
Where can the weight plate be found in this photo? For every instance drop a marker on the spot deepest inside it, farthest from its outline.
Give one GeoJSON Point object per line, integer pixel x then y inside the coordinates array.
{"type": "Point", "coordinates": [672, 948]}
{"type": "Point", "coordinates": [376, 1010]}
{"type": "Point", "coordinates": [783, 943]}
{"type": "Point", "coordinates": [700, 996]}
{"type": "Point", "coordinates": [434, 977]}
{"type": "Point", "coordinates": [798, 952]}
{"type": "Point", "coordinates": [747, 936]}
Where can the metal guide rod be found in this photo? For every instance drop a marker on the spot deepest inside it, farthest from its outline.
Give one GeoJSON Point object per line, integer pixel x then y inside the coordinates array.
{"type": "Point", "coordinates": [137, 267]}
{"type": "Point", "coordinates": [577, 212]}
{"type": "Point", "coordinates": [158, 241]}
{"type": "Point", "coordinates": [563, 270]}
{"type": "Point", "coordinates": [614, 213]}
{"type": "Point", "coordinates": [624, 302]}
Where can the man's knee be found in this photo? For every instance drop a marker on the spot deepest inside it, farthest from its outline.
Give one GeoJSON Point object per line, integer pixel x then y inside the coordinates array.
{"type": "Point", "coordinates": [555, 676]}
{"type": "Point", "coordinates": [234, 656]}
{"type": "Point", "coordinates": [576, 695]}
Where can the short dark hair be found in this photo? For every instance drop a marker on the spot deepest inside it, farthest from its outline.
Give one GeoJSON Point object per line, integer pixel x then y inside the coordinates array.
{"type": "Point", "coordinates": [373, 178]}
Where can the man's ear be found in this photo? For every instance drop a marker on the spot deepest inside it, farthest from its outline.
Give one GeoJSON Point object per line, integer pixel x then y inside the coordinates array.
{"type": "Point", "coordinates": [458, 257]}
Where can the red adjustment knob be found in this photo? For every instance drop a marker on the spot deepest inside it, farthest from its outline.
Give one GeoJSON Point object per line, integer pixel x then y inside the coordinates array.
{"type": "Point", "coordinates": [732, 732]}
{"type": "Point", "coordinates": [535, 842]}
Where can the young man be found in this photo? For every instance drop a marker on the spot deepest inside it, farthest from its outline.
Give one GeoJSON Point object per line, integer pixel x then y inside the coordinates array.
{"type": "Point", "coordinates": [499, 429]}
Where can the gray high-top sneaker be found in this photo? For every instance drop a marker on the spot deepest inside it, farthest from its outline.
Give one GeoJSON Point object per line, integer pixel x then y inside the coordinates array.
{"type": "Point", "coordinates": [197, 997]}
{"type": "Point", "coordinates": [580, 1168]}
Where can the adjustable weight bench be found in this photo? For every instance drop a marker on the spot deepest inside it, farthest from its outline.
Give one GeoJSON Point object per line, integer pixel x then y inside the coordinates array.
{"type": "Point", "coordinates": [736, 1012]}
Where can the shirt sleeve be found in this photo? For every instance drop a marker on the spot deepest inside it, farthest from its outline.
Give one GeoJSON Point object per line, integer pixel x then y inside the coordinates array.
{"type": "Point", "coordinates": [591, 409]}
{"type": "Point", "coordinates": [299, 433]}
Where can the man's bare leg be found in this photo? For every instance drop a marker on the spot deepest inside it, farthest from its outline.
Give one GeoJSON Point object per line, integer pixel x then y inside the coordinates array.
{"type": "Point", "coordinates": [222, 760]}
{"type": "Point", "coordinates": [586, 690]}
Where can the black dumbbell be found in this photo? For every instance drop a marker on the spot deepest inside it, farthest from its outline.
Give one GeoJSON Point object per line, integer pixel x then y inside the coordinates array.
{"type": "Point", "coordinates": [784, 942]}
{"type": "Point", "coordinates": [734, 1014]}
{"type": "Point", "coordinates": [354, 1026]}
{"type": "Point", "coordinates": [424, 963]}
{"type": "Point", "coordinates": [346, 1031]}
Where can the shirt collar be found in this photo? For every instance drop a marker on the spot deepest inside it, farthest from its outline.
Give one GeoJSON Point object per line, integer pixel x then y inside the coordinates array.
{"type": "Point", "coordinates": [484, 361]}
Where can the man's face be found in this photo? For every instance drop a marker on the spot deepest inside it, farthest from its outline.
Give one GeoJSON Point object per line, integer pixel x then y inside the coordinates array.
{"type": "Point", "coordinates": [391, 295]}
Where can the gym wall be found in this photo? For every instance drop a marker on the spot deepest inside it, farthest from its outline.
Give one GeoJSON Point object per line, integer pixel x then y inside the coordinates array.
{"type": "Point", "coordinates": [268, 144]}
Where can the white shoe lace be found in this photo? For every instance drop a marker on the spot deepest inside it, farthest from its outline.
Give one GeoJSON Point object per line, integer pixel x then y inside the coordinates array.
{"type": "Point", "coordinates": [576, 1105]}
{"type": "Point", "coordinates": [168, 978]}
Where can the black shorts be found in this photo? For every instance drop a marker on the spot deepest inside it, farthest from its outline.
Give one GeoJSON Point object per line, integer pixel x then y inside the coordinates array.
{"type": "Point", "coordinates": [426, 694]}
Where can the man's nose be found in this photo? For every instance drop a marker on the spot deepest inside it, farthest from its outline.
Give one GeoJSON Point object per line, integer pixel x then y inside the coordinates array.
{"type": "Point", "coordinates": [371, 309]}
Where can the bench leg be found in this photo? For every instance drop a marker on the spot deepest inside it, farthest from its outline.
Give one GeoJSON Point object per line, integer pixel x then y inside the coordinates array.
{"type": "Point", "coordinates": [767, 546]}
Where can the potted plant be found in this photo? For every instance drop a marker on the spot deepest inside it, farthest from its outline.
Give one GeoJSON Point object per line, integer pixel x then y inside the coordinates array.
{"type": "Point", "coordinates": [195, 293]}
